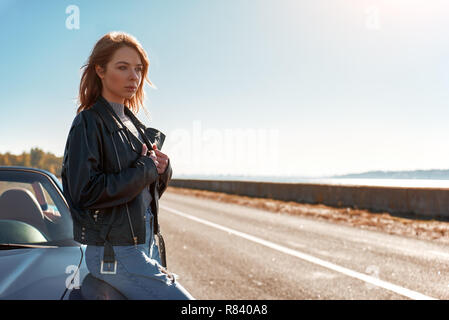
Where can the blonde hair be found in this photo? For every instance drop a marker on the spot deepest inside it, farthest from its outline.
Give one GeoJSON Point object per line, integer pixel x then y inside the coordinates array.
{"type": "Point", "coordinates": [90, 85]}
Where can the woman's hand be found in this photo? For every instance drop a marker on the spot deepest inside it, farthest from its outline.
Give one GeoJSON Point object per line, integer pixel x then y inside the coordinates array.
{"type": "Point", "coordinates": [160, 159]}
{"type": "Point", "coordinates": [149, 154]}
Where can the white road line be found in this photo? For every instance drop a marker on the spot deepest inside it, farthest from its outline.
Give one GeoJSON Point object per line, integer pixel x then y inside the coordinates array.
{"type": "Point", "coordinates": [357, 275]}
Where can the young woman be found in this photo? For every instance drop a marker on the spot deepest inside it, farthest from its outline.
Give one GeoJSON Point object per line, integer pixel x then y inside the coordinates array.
{"type": "Point", "coordinates": [114, 173]}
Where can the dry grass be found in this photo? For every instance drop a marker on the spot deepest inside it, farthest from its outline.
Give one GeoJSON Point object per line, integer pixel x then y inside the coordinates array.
{"type": "Point", "coordinates": [419, 229]}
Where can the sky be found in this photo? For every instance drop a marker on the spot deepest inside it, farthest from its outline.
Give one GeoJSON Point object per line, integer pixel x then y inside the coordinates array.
{"type": "Point", "coordinates": [245, 87]}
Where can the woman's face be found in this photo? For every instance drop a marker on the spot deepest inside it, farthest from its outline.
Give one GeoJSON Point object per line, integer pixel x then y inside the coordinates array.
{"type": "Point", "coordinates": [122, 75]}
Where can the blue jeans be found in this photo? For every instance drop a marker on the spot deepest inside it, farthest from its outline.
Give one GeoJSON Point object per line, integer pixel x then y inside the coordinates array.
{"type": "Point", "coordinates": [138, 270]}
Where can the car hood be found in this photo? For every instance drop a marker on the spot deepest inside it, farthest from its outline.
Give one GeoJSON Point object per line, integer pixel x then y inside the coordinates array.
{"type": "Point", "coordinates": [37, 273]}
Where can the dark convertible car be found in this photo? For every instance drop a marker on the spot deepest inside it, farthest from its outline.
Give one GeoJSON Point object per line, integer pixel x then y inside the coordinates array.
{"type": "Point", "coordinates": [38, 257]}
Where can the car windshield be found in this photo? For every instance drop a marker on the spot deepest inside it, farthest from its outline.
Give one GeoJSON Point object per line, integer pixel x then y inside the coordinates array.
{"type": "Point", "coordinates": [32, 209]}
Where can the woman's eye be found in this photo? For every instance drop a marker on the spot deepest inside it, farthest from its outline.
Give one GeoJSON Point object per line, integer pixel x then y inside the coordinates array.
{"type": "Point", "coordinates": [139, 69]}
{"type": "Point", "coordinates": [122, 68]}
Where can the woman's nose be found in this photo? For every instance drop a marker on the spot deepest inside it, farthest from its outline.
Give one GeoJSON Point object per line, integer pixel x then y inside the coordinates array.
{"type": "Point", "coordinates": [134, 75]}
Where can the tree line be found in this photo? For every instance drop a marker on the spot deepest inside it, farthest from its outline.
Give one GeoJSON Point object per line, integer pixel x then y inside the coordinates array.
{"type": "Point", "coordinates": [36, 158]}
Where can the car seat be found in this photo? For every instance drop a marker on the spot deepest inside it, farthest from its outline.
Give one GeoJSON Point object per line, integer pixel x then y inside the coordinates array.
{"type": "Point", "coordinates": [21, 205]}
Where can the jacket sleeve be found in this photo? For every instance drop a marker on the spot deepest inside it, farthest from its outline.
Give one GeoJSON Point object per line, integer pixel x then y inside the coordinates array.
{"type": "Point", "coordinates": [165, 178]}
{"type": "Point", "coordinates": [88, 186]}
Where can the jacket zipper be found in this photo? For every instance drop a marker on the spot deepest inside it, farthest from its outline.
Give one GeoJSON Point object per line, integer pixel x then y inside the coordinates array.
{"type": "Point", "coordinates": [127, 210]}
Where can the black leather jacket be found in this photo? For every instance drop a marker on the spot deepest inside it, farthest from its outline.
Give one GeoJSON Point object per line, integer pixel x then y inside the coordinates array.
{"type": "Point", "coordinates": [104, 176]}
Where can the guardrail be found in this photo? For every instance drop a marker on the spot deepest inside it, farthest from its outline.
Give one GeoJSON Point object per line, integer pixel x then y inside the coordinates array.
{"type": "Point", "coordinates": [428, 203]}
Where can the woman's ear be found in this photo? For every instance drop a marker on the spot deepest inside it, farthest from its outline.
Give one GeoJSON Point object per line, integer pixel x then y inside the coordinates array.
{"type": "Point", "coordinates": [99, 70]}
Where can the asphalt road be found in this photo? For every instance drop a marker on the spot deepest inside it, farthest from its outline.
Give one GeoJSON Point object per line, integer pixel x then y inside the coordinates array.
{"type": "Point", "coordinates": [231, 252]}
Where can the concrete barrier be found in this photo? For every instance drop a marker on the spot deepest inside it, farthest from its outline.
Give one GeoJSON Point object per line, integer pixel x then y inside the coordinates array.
{"type": "Point", "coordinates": [428, 203]}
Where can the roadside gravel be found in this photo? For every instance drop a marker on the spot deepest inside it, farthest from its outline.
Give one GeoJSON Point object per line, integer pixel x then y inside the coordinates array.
{"type": "Point", "coordinates": [420, 229]}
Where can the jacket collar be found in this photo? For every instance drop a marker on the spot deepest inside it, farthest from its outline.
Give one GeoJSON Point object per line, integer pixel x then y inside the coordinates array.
{"type": "Point", "coordinates": [102, 106]}
{"type": "Point", "coordinates": [134, 119]}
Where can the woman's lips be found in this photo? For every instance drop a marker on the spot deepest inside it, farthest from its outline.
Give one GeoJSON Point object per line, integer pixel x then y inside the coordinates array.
{"type": "Point", "coordinates": [131, 88]}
